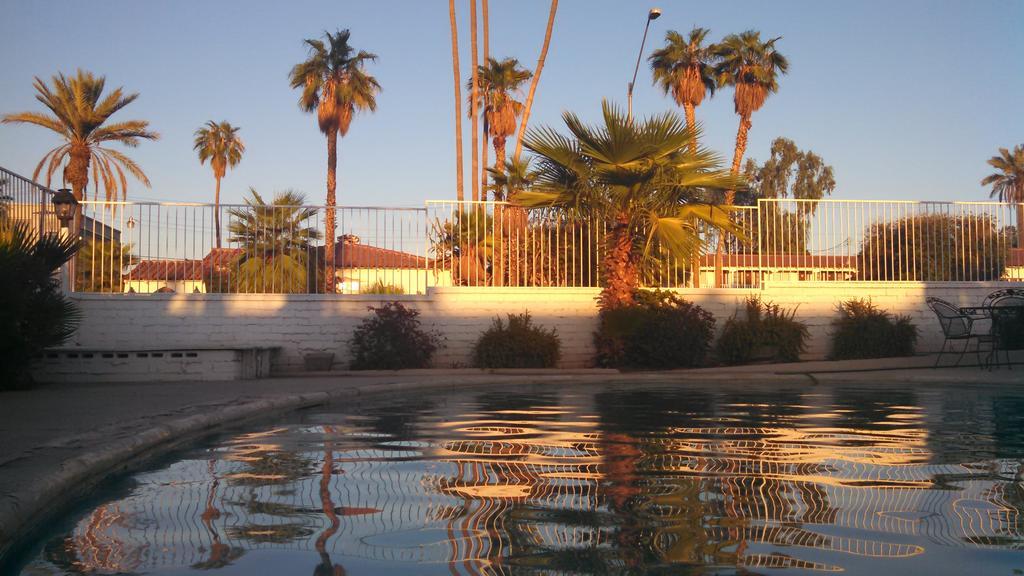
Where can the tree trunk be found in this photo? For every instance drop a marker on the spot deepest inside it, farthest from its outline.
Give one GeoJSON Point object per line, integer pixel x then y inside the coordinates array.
{"type": "Point", "coordinates": [1020, 225]}
{"type": "Point", "coordinates": [730, 195]}
{"type": "Point", "coordinates": [691, 122]}
{"type": "Point", "coordinates": [535, 81]}
{"type": "Point", "coordinates": [486, 129]}
{"type": "Point", "coordinates": [77, 172]}
{"type": "Point", "coordinates": [329, 224]}
{"type": "Point", "coordinates": [474, 105]}
{"type": "Point", "coordinates": [459, 190]}
{"type": "Point", "coordinates": [619, 267]}
{"type": "Point", "coordinates": [499, 157]}
{"type": "Point", "coordinates": [216, 212]}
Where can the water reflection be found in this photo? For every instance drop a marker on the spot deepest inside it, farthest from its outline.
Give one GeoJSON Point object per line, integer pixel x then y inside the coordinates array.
{"type": "Point", "coordinates": [613, 481]}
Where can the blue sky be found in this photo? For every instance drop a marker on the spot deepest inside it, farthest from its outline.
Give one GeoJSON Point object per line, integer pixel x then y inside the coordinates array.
{"type": "Point", "coordinates": [905, 99]}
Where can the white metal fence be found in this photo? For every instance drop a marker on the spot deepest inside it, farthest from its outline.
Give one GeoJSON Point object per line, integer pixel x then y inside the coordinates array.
{"type": "Point", "coordinates": [145, 247]}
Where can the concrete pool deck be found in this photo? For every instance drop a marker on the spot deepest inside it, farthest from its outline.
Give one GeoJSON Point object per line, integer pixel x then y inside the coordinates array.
{"type": "Point", "coordinates": [58, 442]}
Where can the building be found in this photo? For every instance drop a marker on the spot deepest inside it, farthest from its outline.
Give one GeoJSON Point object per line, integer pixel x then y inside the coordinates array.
{"type": "Point", "coordinates": [750, 270]}
{"type": "Point", "coordinates": [364, 268]}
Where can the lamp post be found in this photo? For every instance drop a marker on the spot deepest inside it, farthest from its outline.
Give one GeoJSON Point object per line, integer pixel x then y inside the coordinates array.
{"type": "Point", "coordinates": [65, 206]}
{"type": "Point", "coordinates": [652, 15]}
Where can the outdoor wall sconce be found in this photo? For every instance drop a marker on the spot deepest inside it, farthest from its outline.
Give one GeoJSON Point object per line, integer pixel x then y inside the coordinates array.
{"type": "Point", "coordinates": [64, 205]}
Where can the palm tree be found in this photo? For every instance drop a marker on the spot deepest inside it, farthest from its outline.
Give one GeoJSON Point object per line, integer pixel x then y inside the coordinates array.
{"type": "Point", "coordinates": [474, 102]}
{"type": "Point", "coordinates": [753, 68]}
{"type": "Point", "coordinates": [536, 80]}
{"type": "Point", "coordinates": [275, 240]}
{"type": "Point", "coordinates": [221, 145]}
{"type": "Point", "coordinates": [498, 81]}
{"type": "Point", "coordinates": [685, 69]}
{"type": "Point", "coordinates": [1008, 183]}
{"type": "Point", "coordinates": [507, 182]}
{"type": "Point", "coordinates": [459, 190]}
{"type": "Point", "coordinates": [79, 115]}
{"type": "Point", "coordinates": [640, 178]}
{"type": "Point", "coordinates": [335, 86]}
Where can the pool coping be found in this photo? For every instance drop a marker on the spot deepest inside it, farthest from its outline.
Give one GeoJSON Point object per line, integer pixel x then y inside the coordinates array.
{"type": "Point", "coordinates": [51, 497]}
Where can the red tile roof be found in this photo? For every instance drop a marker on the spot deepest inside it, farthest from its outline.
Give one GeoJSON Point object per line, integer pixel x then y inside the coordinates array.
{"type": "Point", "coordinates": [1015, 257]}
{"type": "Point", "coordinates": [349, 255]}
{"type": "Point", "coordinates": [166, 270]}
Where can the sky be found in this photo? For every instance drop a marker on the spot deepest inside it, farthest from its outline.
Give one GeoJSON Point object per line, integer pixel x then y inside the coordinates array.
{"type": "Point", "coordinates": [906, 100]}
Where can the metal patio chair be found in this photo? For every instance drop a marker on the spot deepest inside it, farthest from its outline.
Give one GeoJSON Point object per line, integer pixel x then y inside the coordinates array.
{"type": "Point", "coordinates": [957, 326]}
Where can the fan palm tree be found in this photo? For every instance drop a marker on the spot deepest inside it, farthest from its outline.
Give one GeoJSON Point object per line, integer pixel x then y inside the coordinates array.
{"type": "Point", "coordinates": [499, 81]}
{"type": "Point", "coordinates": [79, 115]}
{"type": "Point", "coordinates": [221, 145]}
{"type": "Point", "coordinates": [335, 86]}
{"type": "Point", "coordinates": [536, 80]}
{"type": "Point", "coordinates": [1008, 183]}
{"type": "Point", "coordinates": [752, 67]}
{"type": "Point", "coordinates": [514, 178]}
{"type": "Point", "coordinates": [460, 194]}
{"type": "Point", "coordinates": [640, 178]}
{"type": "Point", "coordinates": [685, 69]}
{"type": "Point", "coordinates": [275, 240]}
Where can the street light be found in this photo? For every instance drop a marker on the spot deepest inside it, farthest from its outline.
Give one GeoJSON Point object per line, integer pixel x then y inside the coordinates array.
{"type": "Point", "coordinates": [652, 15]}
{"type": "Point", "coordinates": [64, 205]}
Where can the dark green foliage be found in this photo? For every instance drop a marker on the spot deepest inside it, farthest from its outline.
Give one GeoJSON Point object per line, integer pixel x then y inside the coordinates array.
{"type": "Point", "coordinates": [865, 331]}
{"type": "Point", "coordinates": [935, 248]}
{"type": "Point", "coordinates": [768, 332]}
{"type": "Point", "coordinates": [660, 331]}
{"type": "Point", "coordinates": [391, 339]}
{"type": "Point", "coordinates": [34, 313]}
{"type": "Point", "coordinates": [518, 344]}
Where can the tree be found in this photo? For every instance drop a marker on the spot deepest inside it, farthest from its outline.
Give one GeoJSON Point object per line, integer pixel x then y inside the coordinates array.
{"type": "Point", "coordinates": [221, 145]}
{"type": "Point", "coordinates": [1008, 184]}
{"type": "Point", "coordinates": [685, 69]}
{"type": "Point", "coordinates": [640, 178]}
{"type": "Point", "coordinates": [752, 67]}
{"type": "Point", "coordinates": [335, 86]}
{"type": "Point", "coordinates": [499, 81]}
{"type": "Point", "coordinates": [35, 315]}
{"type": "Point", "coordinates": [536, 80]}
{"type": "Point", "coordinates": [459, 189]}
{"type": "Point", "coordinates": [275, 241]}
{"type": "Point", "coordinates": [79, 115]}
{"type": "Point", "coordinates": [474, 111]}
{"type": "Point", "coordinates": [100, 263]}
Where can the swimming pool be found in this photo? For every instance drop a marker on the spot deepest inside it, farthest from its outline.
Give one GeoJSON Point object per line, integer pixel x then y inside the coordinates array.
{"type": "Point", "coordinates": [709, 479]}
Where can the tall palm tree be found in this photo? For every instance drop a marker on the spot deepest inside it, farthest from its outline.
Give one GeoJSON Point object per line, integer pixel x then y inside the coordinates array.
{"type": "Point", "coordinates": [536, 80]}
{"type": "Point", "coordinates": [640, 178]}
{"type": "Point", "coordinates": [486, 27]}
{"type": "Point", "coordinates": [685, 69]}
{"type": "Point", "coordinates": [276, 240]}
{"type": "Point", "coordinates": [459, 190]}
{"type": "Point", "coordinates": [474, 102]}
{"type": "Point", "coordinates": [79, 115]}
{"type": "Point", "coordinates": [1008, 183]}
{"type": "Point", "coordinates": [753, 68]}
{"type": "Point", "coordinates": [221, 145]}
{"type": "Point", "coordinates": [335, 86]}
{"type": "Point", "coordinates": [499, 81]}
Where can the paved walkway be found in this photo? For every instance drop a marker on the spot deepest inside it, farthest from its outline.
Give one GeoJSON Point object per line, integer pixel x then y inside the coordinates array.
{"type": "Point", "coordinates": [58, 441]}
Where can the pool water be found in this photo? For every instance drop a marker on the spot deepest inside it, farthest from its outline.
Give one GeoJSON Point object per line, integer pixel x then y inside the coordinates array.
{"type": "Point", "coordinates": [617, 479]}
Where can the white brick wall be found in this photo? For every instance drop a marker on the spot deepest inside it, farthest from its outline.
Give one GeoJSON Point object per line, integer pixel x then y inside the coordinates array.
{"type": "Point", "coordinates": [312, 323]}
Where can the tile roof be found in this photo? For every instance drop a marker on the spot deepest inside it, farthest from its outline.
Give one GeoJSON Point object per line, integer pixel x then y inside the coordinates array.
{"type": "Point", "coordinates": [351, 255]}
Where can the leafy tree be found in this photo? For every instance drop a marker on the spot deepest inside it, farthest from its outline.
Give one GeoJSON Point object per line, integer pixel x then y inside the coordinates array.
{"type": "Point", "coordinates": [335, 86]}
{"type": "Point", "coordinates": [79, 115]}
{"type": "Point", "coordinates": [35, 314]}
{"type": "Point", "coordinates": [934, 248]}
{"type": "Point", "coordinates": [221, 145]}
{"type": "Point", "coordinates": [640, 179]}
{"type": "Point", "coordinates": [1008, 183]}
{"type": "Point", "coordinates": [99, 265]}
{"type": "Point", "coordinates": [752, 67]}
{"type": "Point", "coordinates": [275, 240]}
{"type": "Point", "coordinates": [685, 69]}
{"type": "Point", "coordinates": [499, 81]}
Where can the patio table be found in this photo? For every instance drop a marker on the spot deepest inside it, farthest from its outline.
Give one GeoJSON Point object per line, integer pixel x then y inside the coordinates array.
{"type": "Point", "coordinates": [1004, 318]}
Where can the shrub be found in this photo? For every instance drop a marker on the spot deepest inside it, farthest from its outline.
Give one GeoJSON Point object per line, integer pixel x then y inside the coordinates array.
{"type": "Point", "coordinates": [865, 331]}
{"type": "Point", "coordinates": [767, 332]}
{"type": "Point", "coordinates": [35, 314]}
{"type": "Point", "coordinates": [661, 330]}
{"type": "Point", "coordinates": [380, 287]}
{"type": "Point", "coordinates": [518, 344]}
{"type": "Point", "coordinates": [391, 339]}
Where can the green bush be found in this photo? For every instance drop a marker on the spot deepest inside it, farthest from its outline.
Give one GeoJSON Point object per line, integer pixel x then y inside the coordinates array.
{"type": "Point", "coordinates": [34, 313]}
{"type": "Point", "coordinates": [518, 344]}
{"type": "Point", "coordinates": [865, 331]}
{"type": "Point", "coordinates": [391, 339]}
{"type": "Point", "coordinates": [768, 332]}
{"type": "Point", "coordinates": [660, 331]}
